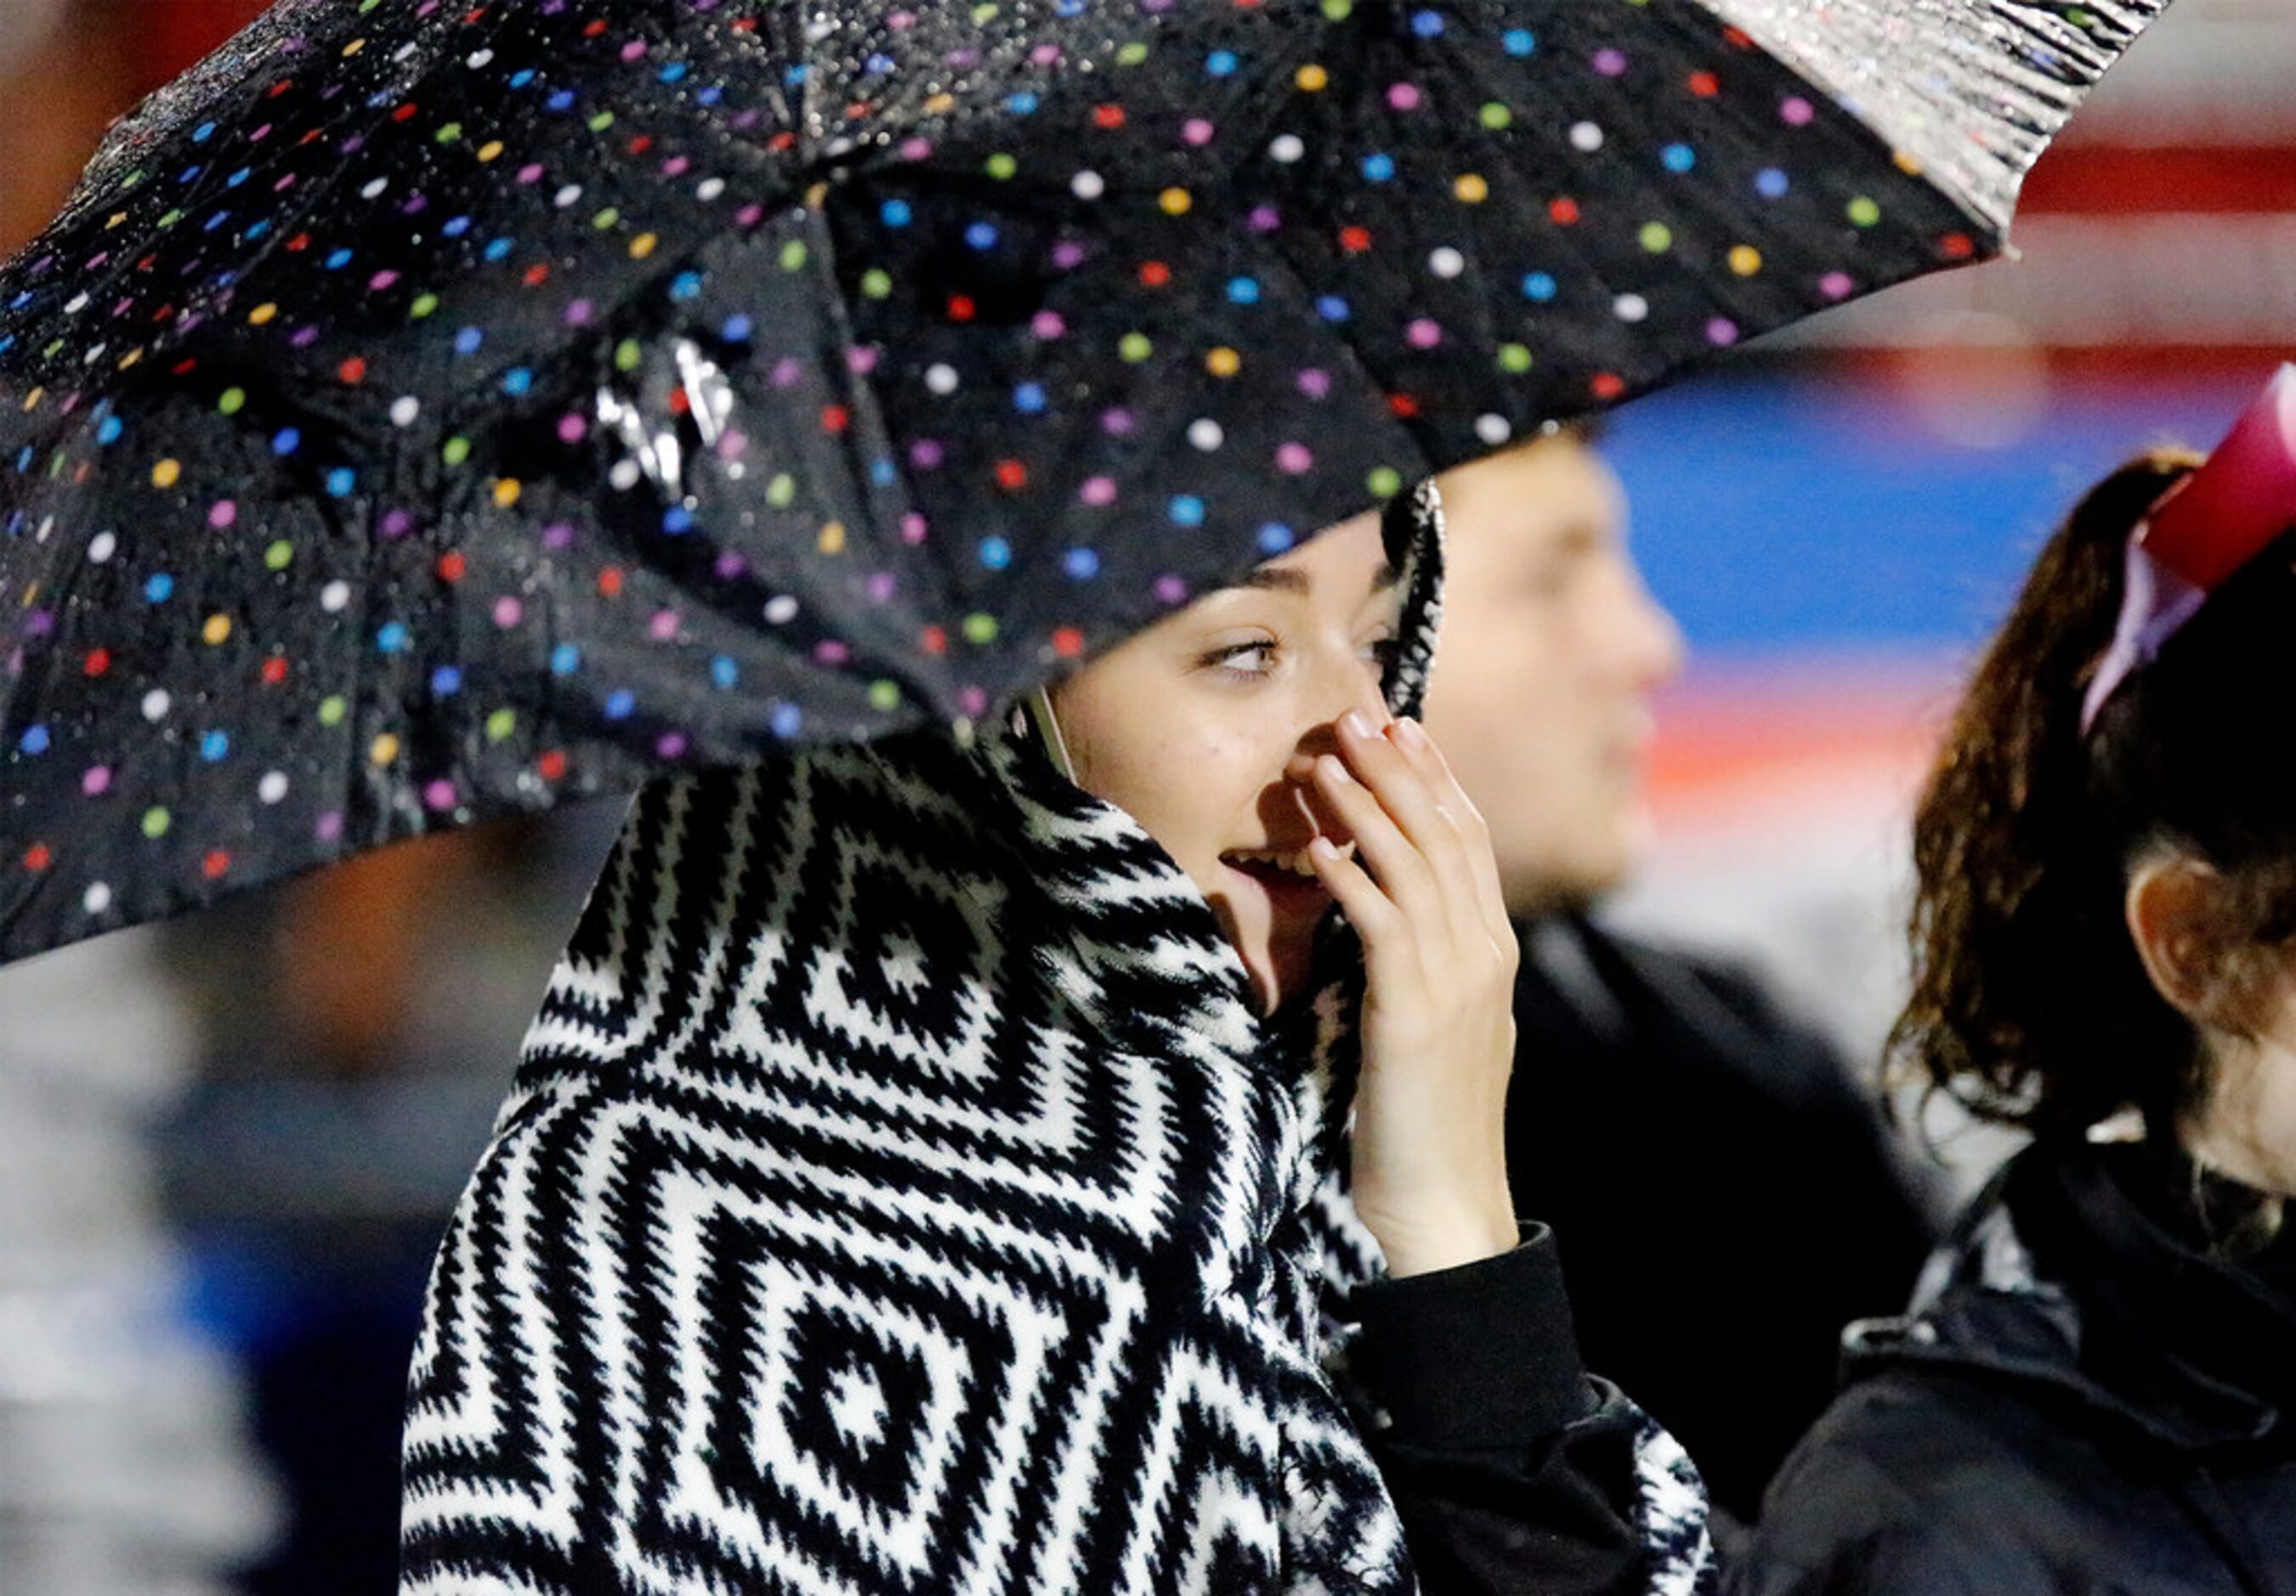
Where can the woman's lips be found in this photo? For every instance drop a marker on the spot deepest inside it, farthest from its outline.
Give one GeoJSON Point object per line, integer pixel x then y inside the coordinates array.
{"type": "Point", "coordinates": [1284, 875]}
{"type": "Point", "coordinates": [1287, 861]}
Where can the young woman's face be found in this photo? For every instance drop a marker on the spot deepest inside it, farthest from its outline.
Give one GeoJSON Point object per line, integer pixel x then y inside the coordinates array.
{"type": "Point", "coordinates": [1203, 729]}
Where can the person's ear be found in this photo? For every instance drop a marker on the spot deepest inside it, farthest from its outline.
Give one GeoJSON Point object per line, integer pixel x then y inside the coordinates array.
{"type": "Point", "coordinates": [2171, 910]}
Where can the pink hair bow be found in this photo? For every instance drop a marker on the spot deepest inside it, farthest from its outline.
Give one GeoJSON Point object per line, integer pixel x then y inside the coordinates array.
{"type": "Point", "coordinates": [2200, 531]}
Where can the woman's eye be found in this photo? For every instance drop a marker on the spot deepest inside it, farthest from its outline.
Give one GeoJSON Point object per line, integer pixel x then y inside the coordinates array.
{"type": "Point", "coordinates": [1244, 659]}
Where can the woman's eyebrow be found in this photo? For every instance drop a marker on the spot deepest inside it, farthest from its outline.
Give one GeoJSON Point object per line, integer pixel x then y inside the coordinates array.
{"type": "Point", "coordinates": [1274, 578]}
{"type": "Point", "coordinates": [1279, 579]}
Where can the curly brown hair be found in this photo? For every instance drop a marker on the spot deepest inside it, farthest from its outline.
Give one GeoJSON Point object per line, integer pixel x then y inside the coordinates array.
{"type": "Point", "coordinates": [2029, 1003]}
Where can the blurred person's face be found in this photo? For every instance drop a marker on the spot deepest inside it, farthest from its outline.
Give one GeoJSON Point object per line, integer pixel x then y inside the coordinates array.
{"type": "Point", "coordinates": [1199, 728]}
{"type": "Point", "coordinates": [1552, 649]}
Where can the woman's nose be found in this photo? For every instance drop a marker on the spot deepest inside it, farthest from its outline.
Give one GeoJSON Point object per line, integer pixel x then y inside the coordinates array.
{"type": "Point", "coordinates": [1355, 690]}
{"type": "Point", "coordinates": [1369, 696]}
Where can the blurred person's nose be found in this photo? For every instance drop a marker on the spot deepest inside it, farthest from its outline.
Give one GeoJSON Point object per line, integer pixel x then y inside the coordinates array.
{"type": "Point", "coordinates": [1646, 642]}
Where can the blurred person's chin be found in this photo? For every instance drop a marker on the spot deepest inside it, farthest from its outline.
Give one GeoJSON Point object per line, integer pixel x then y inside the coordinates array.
{"type": "Point", "coordinates": [1571, 871]}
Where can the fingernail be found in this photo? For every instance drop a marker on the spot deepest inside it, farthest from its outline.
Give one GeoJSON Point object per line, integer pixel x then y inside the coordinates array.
{"type": "Point", "coordinates": [1356, 724]}
{"type": "Point", "coordinates": [1335, 769]}
{"type": "Point", "coordinates": [1410, 733]}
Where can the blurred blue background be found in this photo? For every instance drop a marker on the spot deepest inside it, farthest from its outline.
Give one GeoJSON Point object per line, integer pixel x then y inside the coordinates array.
{"type": "Point", "coordinates": [1787, 513]}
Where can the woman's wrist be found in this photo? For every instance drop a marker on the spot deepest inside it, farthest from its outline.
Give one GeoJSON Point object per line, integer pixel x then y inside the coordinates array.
{"type": "Point", "coordinates": [1435, 1234]}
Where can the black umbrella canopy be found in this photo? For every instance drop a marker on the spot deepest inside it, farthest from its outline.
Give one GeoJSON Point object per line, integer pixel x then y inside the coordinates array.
{"type": "Point", "coordinates": [427, 411]}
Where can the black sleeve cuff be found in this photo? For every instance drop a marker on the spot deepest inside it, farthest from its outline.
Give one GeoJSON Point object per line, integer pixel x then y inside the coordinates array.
{"type": "Point", "coordinates": [1480, 1357]}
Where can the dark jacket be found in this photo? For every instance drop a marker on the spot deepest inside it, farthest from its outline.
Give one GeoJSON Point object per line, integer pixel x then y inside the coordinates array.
{"type": "Point", "coordinates": [2088, 1399]}
{"type": "Point", "coordinates": [1726, 1194]}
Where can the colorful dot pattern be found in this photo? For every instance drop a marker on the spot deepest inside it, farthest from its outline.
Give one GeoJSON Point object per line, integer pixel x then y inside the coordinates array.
{"type": "Point", "coordinates": [426, 410]}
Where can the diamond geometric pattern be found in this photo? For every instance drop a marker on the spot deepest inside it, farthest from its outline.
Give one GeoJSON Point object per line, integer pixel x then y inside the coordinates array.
{"type": "Point", "coordinates": [899, 1194]}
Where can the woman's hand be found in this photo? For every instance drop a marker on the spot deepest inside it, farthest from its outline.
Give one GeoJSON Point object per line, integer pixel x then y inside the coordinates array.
{"type": "Point", "coordinates": [1429, 1172]}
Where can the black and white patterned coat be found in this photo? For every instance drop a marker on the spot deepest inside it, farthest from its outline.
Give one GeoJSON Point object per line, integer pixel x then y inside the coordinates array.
{"type": "Point", "coordinates": [899, 1193]}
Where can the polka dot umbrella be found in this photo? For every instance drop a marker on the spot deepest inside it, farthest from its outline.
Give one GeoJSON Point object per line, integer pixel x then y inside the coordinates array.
{"type": "Point", "coordinates": [424, 410]}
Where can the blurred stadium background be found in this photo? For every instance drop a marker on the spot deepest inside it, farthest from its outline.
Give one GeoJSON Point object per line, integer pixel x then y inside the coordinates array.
{"type": "Point", "coordinates": [226, 1147]}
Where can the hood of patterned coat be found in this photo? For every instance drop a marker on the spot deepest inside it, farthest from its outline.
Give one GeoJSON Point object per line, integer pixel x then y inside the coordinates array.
{"type": "Point", "coordinates": [878, 1048]}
